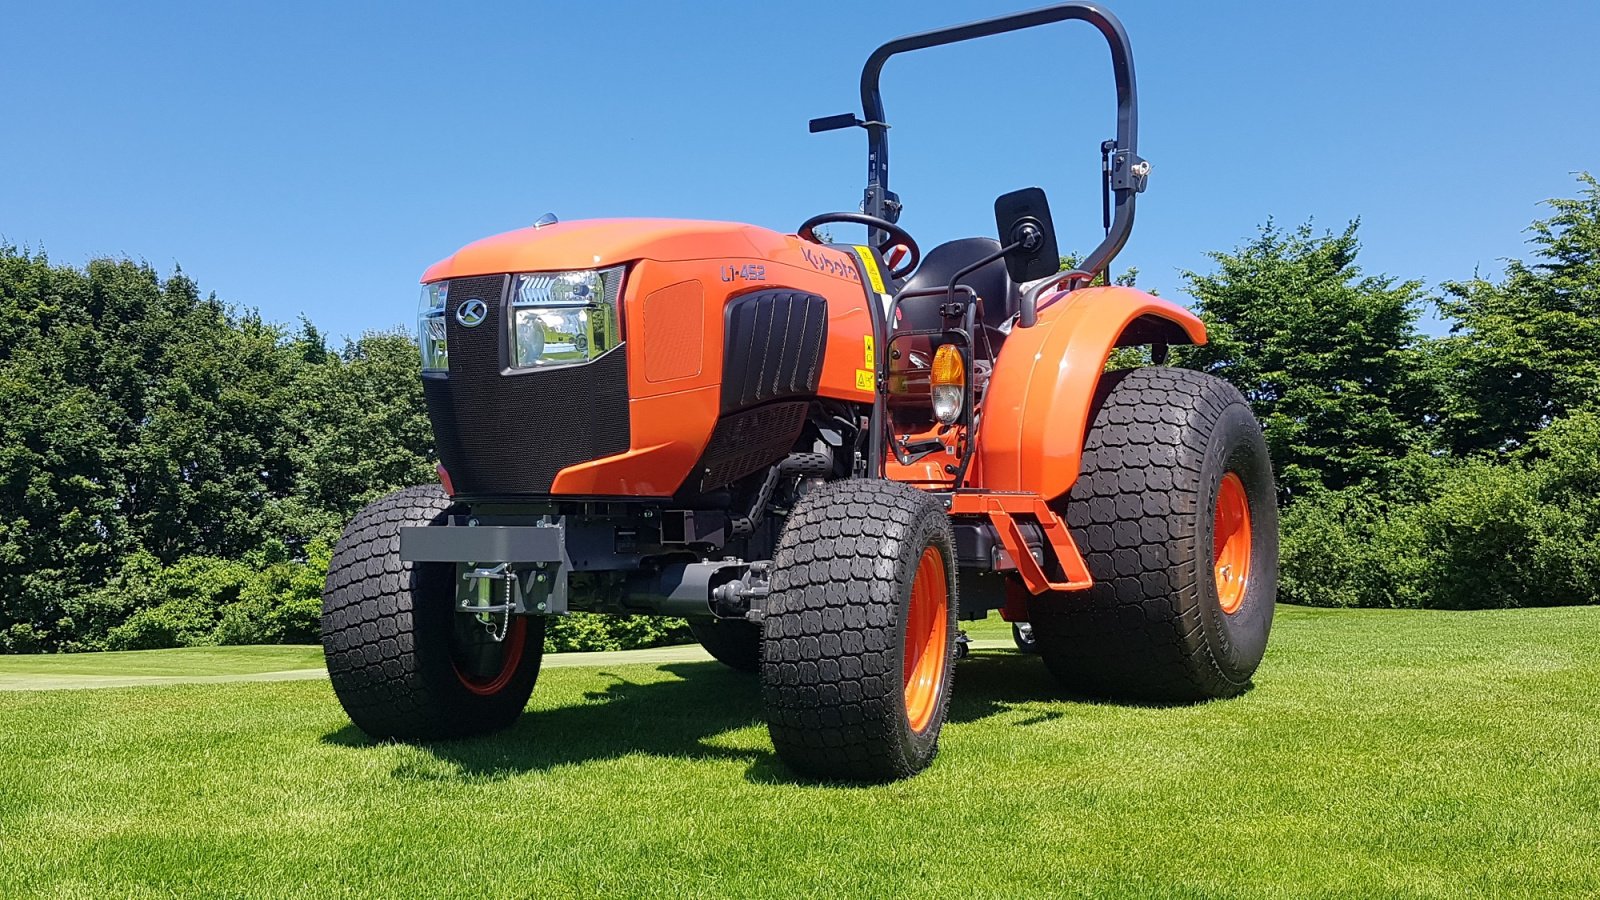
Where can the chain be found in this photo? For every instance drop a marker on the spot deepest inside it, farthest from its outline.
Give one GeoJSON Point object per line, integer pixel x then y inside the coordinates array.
{"type": "Point", "coordinates": [485, 616]}
{"type": "Point", "coordinates": [505, 616]}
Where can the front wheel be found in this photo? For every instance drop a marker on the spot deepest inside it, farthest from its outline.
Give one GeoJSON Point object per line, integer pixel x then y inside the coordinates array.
{"type": "Point", "coordinates": [403, 662]}
{"type": "Point", "coordinates": [860, 632]}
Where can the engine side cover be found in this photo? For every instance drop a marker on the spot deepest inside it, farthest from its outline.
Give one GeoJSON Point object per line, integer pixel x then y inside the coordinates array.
{"type": "Point", "coordinates": [796, 312]}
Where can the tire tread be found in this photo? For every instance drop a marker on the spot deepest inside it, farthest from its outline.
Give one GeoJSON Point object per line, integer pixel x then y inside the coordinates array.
{"type": "Point", "coordinates": [1140, 631]}
{"type": "Point", "coordinates": [392, 673]}
{"type": "Point", "coordinates": [831, 673]}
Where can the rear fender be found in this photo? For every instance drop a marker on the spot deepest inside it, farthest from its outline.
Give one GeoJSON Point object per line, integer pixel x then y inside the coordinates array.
{"type": "Point", "coordinates": [1036, 411]}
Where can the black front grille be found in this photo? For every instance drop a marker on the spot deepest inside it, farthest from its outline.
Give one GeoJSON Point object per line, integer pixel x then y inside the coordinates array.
{"type": "Point", "coordinates": [773, 347]}
{"type": "Point", "coordinates": [748, 441]}
{"type": "Point", "coordinates": [503, 435]}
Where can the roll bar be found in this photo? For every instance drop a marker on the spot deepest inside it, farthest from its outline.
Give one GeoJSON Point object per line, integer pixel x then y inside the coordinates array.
{"type": "Point", "coordinates": [1126, 173]}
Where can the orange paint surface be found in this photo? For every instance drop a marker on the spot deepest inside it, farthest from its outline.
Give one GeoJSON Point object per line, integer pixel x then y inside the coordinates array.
{"type": "Point", "coordinates": [674, 401]}
{"type": "Point", "coordinates": [1036, 411]}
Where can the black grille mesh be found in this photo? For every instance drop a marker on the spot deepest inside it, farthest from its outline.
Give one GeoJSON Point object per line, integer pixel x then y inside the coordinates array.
{"type": "Point", "coordinates": [749, 441]}
{"type": "Point", "coordinates": [502, 435]}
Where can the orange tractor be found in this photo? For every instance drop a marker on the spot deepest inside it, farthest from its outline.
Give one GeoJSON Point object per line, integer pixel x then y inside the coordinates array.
{"type": "Point", "coordinates": [824, 457]}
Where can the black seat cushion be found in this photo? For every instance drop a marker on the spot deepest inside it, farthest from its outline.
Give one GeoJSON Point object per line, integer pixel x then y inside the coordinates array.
{"type": "Point", "coordinates": [1000, 297]}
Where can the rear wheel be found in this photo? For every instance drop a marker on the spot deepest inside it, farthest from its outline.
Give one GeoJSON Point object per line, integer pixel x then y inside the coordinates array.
{"type": "Point", "coordinates": [403, 662]}
{"type": "Point", "coordinates": [731, 642]}
{"type": "Point", "coordinates": [1022, 636]}
{"type": "Point", "coordinates": [1175, 512]}
{"type": "Point", "coordinates": [860, 632]}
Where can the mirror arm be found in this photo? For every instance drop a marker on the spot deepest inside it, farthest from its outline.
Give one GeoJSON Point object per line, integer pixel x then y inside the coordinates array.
{"type": "Point", "coordinates": [1030, 299]}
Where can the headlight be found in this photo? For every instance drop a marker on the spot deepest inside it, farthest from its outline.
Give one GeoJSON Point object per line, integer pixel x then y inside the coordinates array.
{"type": "Point", "coordinates": [562, 318]}
{"type": "Point", "coordinates": [431, 330]}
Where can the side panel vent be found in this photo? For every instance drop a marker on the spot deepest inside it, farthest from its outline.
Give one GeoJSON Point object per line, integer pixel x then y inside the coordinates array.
{"type": "Point", "coordinates": [774, 342]}
{"type": "Point", "coordinates": [674, 333]}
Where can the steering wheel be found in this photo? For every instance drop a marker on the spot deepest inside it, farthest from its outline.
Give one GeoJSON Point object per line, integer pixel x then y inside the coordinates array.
{"type": "Point", "coordinates": [897, 236]}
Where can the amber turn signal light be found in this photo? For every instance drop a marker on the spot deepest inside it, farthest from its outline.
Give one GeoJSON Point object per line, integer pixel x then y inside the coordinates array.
{"type": "Point", "coordinates": [949, 381]}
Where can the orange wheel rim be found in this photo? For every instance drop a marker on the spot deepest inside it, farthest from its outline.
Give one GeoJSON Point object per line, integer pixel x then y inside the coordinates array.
{"type": "Point", "coordinates": [926, 630]}
{"type": "Point", "coordinates": [1230, 543]}
{"type": "Point", "coordinates": [514, 642]}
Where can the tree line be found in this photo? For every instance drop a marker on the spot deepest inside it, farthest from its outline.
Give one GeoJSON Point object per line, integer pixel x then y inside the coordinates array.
{"type": "Point", "coordinates": [174, 471]}
{"type": "Point", "coordinates": [1458, 471]}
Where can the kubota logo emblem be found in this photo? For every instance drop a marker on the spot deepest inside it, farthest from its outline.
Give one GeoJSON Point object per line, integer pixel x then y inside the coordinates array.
{"type": "Point", "coordinates": [472, 313]}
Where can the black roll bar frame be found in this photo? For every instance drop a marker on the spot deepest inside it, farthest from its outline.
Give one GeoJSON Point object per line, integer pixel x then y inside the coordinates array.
{"type": "Point", "coordinates": [1128, 172]}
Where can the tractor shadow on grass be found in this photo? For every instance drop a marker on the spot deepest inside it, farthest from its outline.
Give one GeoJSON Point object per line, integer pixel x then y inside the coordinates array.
{"type": "Point", "coordinates": [682, 717]}
{"type": "Point", "coordinates": [992, 683]}
{"type": "Point", "coordinates": [691, 715]}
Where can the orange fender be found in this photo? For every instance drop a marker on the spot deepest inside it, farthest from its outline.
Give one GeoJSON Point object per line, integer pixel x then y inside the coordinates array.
{"type": "Point", "coordinates": [1036, 411]}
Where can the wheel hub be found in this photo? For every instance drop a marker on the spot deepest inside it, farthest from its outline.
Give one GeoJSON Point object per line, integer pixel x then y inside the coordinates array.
{"type": "Point", "coordinates": [926, 630]}
{"type": "Point", "coordinates": [496, 675]}
{"type": "Point", "coordinates": [1230, 550]}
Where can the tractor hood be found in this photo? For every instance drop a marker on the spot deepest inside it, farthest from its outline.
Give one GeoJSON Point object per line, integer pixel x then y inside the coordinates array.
{"type": "Point", "coordinates": [593, 243]}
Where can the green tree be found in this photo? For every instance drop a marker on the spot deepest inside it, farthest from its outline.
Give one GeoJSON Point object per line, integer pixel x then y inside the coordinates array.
{"type": "Point", "coordinates": [1526, 350]}
{"type": "Point", "coordinates": [361, 429]}
{"type": "Point", "coordinates": [135, 415]}
{"type": "Point", "coordinates": [207, 395]}
{"type": "Point", "coordinates": [61, 527]}
{"type": "Point", "coordinates": [1329, 358]}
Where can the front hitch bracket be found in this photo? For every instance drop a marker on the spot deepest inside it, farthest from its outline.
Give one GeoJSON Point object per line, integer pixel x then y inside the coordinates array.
{"type": "Point", "coordinates": [510, 569]}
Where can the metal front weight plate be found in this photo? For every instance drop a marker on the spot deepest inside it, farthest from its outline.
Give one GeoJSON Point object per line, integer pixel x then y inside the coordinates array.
{"type": "Point", "coordinates": [505, 569]}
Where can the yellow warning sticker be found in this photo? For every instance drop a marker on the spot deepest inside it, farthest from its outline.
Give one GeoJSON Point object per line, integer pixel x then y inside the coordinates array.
{"type": "Point", "coordinates": [864, 380]}
{"type": "Point", "coordinates": [870, 357]}
{"type": "Point", "coordinates": [870, 263]}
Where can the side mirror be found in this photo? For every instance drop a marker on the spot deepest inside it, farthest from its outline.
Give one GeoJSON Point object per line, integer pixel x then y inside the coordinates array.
{"type": "Point", "coordinates": [1023, 218]}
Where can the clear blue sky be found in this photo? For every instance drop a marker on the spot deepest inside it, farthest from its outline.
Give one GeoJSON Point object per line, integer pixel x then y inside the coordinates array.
{"type": "Point", "coordinates": [313, 158]}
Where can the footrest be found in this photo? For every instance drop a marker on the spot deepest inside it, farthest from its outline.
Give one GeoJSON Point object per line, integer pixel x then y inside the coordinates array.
{"type": "Point", "coordinates": [1001, 509]}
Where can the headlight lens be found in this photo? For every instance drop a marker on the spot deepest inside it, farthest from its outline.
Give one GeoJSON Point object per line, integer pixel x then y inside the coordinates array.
{"type": "Point", "coordinates": [562, 318]}
{"type": "Point", "coordinates": [430, 328]}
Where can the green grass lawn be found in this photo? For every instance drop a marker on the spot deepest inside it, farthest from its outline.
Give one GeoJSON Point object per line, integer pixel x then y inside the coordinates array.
{"type": "Point", "coordinates": [1382, 753]}
{"type": "Point", "coordinates": [185, 661]}
{"type": "Point", "coordinates": [208, 661]}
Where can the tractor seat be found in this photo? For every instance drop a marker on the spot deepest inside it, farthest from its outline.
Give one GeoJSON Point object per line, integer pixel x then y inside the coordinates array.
{"type": "Point", "coordinates": [999, 297]}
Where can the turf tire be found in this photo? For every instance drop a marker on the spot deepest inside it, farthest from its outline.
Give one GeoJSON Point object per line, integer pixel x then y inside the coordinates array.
{"type": "Point", "coordinates": [387, 633]}
{"type": "Point", "coordinates": [1152, 627]}
{"type": "Point", "coordinates": [835, 631]}
{"type": "Point", "coordinates": [731, 642]}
